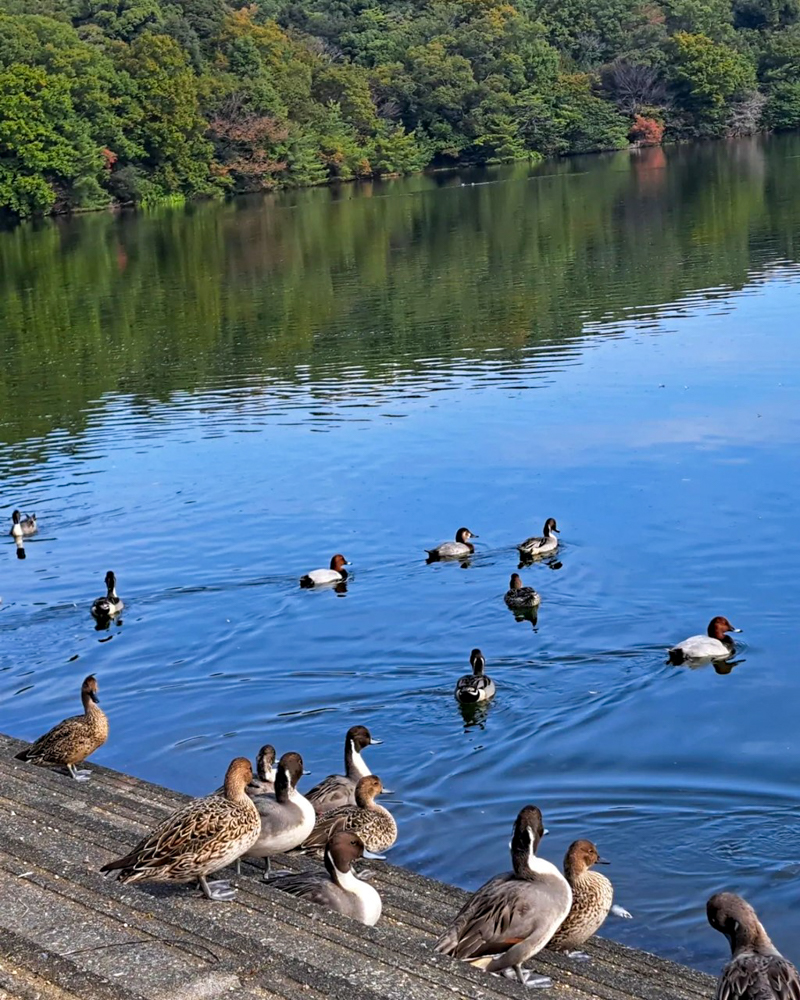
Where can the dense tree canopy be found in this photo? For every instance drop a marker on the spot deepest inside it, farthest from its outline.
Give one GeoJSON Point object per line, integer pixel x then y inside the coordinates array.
{"type": "Point", "coordinates": [151, 100]}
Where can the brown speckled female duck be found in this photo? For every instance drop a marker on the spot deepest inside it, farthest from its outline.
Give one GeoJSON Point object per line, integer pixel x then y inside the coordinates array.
{"type": "Point", "coordinates": [592, 899]}
{"type": "Point", "coordinates": [201, 837]}
{"type": "Point", "coordinates": [757, 970]}
{"type": "Point", "coordinates": [373, 824]}
{"type": "Point", "coordinates": [73, 740]}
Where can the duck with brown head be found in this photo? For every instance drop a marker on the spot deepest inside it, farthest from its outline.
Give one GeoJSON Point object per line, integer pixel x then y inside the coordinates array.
{"type": "Point", "coordinates": [458, 549]}
{"type": "Point", "coordinates": [512, 916]}
{"type": "Point", "coordinates": [757, 970]}
{"type": "Point", "coordinates": [521, 598]}
{"type": "Point", "coordinates": [324, 577]}
{"type": "Point", "coordinates": [715, 645]}
{"type": "Point", "coordinates": [203, 836]}
{"type": "Point", "coordinates": [475, 687]}
{"type": "Point", "coordinates": [340, 789]}
{"type": "Point", "coordinates": [288, 818]}
{"type": "Point", "coordinates": [110, 605]}
{"type": "Point", "coordinates": [374, 824]}
{"type": "Point", "coordinates": [73, 740]}
{"type": "Point", "coordinates": [540, 545]}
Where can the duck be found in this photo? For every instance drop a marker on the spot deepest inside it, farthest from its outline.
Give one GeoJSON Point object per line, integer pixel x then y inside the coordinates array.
{"type": "Point", "coordinates": [513, 915]}
{"type": "Point", "coordinates": [110, 605]}
{"type": "Point", "coordinates": [715, 645]}
{"type": "Point", "coordinates": [263, 781]}
{"type": "Point", "coordinates": [518, 597]}
{"type": "Point", "coordinates": [21, 526]}
{"type": "Point", "coordinates": [461, 547]}
{"type": "Point", "coordinates": [338, 888]}
{"type": "Point", "coordinates": [340, 789]}
{"type": "Point", "coordinates": [321, 577]}
{"type": "Point", "coordinates": [475, 687]}
{"type": "Point", "coordinates": [757, 970]}
{"type": "Point", "coordinates": [541, 546]}
{"type": "Point", "coordinates": [592, 900]}
{"type": "Point", "coordinates": [373, 824]}
{"type": "Point", "coordinates": [287, 819]}
{"type": "Point", "coordinates": [202, 837]}
{"type": "Point", "coordinates": [72, 740]}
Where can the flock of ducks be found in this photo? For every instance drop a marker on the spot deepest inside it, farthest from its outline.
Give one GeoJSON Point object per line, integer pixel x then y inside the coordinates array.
{"type": "Point", "coordinates": [504, 924]}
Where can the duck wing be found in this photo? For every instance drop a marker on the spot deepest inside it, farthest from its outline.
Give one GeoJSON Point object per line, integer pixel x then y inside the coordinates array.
{"type": "Point", "coordinates": [61, 744]}
{"type": "Point", "coordinates": [329, 823]}
{"type": "Point", "coordinates": [758, 977]}
{"type": "Point", "coordinates": [333, 792]}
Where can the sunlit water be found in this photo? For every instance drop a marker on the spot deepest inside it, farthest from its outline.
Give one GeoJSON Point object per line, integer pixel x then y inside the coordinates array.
{"type": "Point", "coordinates": [213, 402]}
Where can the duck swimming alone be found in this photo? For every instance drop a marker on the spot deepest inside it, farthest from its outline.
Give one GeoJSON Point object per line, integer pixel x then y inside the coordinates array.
{"type": "Point", "coordinates": [110, 605]}
{"type": "Point", "coordinates": [201, 837]}
{"type": "Point", "coordinates": [461, 547]}
{"type": "Point", "coordinates": [475, 687]}
{"type": "Point", "coordinates": [513, 916]}
{"type": "Point", "coordinates": [757, 970]}
{"type": "Point", "coordinates": [22, 526]}
{"type": "Point", "coordinates": [340, 789]}
{"type": "Point", "coordinates": [543, 545]}
{"type": "Point", "coordinates": [339, 888]}
{"type": "Point", "coordinates": [715, 645]}
{"type": "Point", "coordinates": [287, 819]}
{"type": "Point", "coordinates": [592, 900]}
{"type": "Point", "coordinates": [73, 740]}
{"type": "Point", "coordinates": [320, 577]}
{"type": "Point", "coordinates": [518, 597]}
{"type": "Point", "coordinates": [370, 821]}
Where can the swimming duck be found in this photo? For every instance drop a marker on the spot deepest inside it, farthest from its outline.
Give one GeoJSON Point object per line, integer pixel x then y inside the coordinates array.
{"type": "Point", "coordinates": [201, 837]}
{"type": "Point", "coordinates": [757, 970]}
{"type": "Point", "coordinates": [461, 547]}
{"type": "Point", "coordinates": [340, 789]}
{"type": "Point", "coordinates": [287, 819]}
{"type": "Point", "coordinates": [263, 781]}
{"type": "Point", "coordinates": [532, 547]}
{"type": "Point", "coordinates": [340, 889]}
{"type": "Point", "coordinates": [713, 646]}
{"type": "Point", "coordinates": [73, 740]}
{"type": "Point", "coordinates": [320, 577]}
{"type": "Point", "coordinates": [518, 597]}
{"type": "Point", "coordinates": [373, 824]}
{"type": "Point", "coordinates": [22, 525]}
{"type": "Point", "coordinates": [512, 916]}
{"type": "Point", "coordinates": [475, 687]}
{"type": "Point", "coordinates": [592, 899]}
{"type": "Point", "coordinates": [110, 605]}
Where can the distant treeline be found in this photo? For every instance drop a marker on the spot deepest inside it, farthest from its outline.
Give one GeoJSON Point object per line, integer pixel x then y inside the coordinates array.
{"type": "Point", "coordinates": [148, 101]}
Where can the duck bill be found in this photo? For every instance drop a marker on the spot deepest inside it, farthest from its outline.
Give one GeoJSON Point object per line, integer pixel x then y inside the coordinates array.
{"type": "Point", "coordinates": [375, 743]}
{"type": "Point", "coordinates": [602, 861]}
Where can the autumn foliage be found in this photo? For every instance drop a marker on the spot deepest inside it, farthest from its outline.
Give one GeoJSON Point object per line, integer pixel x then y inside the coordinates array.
{"type": "Point", "coordinates": [646, 131]}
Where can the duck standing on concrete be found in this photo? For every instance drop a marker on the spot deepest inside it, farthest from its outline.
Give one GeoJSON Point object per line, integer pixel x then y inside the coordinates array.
{"type": "Point", "coordinates": [263, 781]}
{"type": "Point", "coordinates": [513, 916]}
{"type": "Point", "coordinates": [201, 837]}
{"type": "Point", "coordinates": [339, 888]}
{"type": "Point", "coordinates": [542, 545]}
{"type": "Point", "coordinates": [458, 549]}
{"type": "Point", "coordinates": [73, 740]}
{"type": "Point", "coordinates": [370, 821]}
{"type": "Point", "coordinates": [520, 598]}
{"type": "Point", "coordinates": [475, 687]}
{"type": "Point", "coordinates": [592, 900]}
{"type": "Point", "coordinates": [110, 605]}
{"type": "Point", "coordinates": [287, 819]}
{"type": "Point", "coordinates": [22, 526]}
{"type": "Point", "coordinates": [322, 577]}
{"type": "Point", "coordinates": [715, 645]}
{"type": "Point", "coordinates": [757, 970]}
{"type": "Point", "coordinates": [340, 789]}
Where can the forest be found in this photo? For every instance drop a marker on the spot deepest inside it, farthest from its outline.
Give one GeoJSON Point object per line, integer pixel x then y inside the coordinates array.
{"type": "Point", "coordinates": [108, 102]}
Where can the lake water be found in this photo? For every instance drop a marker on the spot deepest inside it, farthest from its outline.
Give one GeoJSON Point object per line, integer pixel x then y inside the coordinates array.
{"type": "Point", "coordinates": [212, 402]}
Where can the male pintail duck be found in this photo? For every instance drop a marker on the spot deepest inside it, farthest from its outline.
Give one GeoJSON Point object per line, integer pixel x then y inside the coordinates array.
{"type": "Point", "coordinates": [373, 824]}
{"type": "Point", "coordinates": [287, 819]}
{"type": "Point", "coordinates": [263, 781]}
{"type": "Point", "coordinates": [339, 888]}
{"type": "Point", "coordinates": [110, 605]}
{"type": "Point", "coordinates": [475, 687]}
{"type": "Point", "coordinates": [513, 916]}
{"type": "Point", "coordinates": [518, 597]}
{"type": "Point", "coordinates": [757, 970]}
{"type": "Point", "coordinates": [461, 547]}
{"type": "Point", "coordinates": [592, 900]}
{"type": "Point", "coordinates": [201, 837]}
{"type": "Point", "coordinates": [713, 646]}
{"type": "Point", "coordinates": [320, 577]}
{"type": "Point", "coordinates": [340, 789]}
{"type": "Point", "coordinates": [21, 526]}
{"type": "Point", "coordinates": [73, 740]}
{"type": "Point", "coordinates": [543, 545]}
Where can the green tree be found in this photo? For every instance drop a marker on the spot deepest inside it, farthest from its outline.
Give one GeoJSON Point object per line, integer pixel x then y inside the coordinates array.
{"type": "Point", "coordinates": [708, 75]}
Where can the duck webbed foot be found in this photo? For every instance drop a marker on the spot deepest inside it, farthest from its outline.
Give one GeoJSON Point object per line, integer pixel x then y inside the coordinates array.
{"type": "Point", "coordinates": [220, 890]}
{"type": "Point", "coordinates": [78, 775]}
